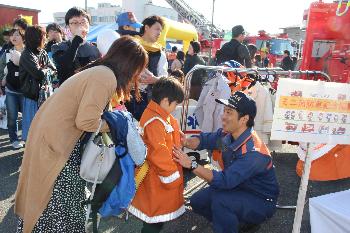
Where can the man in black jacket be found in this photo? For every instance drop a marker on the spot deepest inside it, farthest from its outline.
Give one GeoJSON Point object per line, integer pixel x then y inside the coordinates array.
{"type": "Point", "coordinates": [287, 62]}
{"type": "Point", "coordinates": [77, 52]}
{"type": "Point", "coordinates": [235, 49]}
{"type": "Point", "coordinates": [55, 35]}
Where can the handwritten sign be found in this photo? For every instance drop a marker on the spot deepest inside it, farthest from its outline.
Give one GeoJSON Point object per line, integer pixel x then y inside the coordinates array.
{"type": "Point", "coordinates": [312, 111]}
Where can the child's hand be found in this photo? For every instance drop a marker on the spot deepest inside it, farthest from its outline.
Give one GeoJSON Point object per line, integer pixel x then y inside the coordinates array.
{"type": "Point", "coordinates": [182, 158]}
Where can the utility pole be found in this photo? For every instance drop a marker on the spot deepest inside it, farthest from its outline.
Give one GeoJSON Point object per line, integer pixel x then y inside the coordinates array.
{"type": "Point", "coordinates": [86, 8]}
{"type": "Point", "coordinates": [211, 33]}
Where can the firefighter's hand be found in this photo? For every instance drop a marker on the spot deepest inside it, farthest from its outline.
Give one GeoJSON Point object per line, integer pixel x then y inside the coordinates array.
{"type": "Point", "coordinates": [190, 143]}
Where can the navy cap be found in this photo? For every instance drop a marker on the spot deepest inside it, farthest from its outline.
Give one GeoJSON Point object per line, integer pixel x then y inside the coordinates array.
{"type": "Point", "coordinates": [240, 102]}
{"type": "Point", "coordinates": [128, 19]}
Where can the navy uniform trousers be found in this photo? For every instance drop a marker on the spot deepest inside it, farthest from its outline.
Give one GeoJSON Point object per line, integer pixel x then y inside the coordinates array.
{"type": "Point", "coordinates": [227, 209]}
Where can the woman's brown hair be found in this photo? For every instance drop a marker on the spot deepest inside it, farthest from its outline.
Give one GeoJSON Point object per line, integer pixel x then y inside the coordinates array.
{"type": "Point", "coordinates": [127, 59]}
{"type": "Point", "coordinates": [34, 38]}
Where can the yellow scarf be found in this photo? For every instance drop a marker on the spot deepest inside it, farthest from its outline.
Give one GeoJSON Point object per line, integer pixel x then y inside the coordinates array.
{"type": "Point", "coordinates": [149, 47]}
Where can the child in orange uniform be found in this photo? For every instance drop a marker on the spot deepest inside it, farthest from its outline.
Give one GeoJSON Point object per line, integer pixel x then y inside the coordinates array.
{"type": "Point", "coordinates": [159, 197]}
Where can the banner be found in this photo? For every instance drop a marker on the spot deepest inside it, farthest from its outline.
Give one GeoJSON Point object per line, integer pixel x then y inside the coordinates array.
{"type": "Point", "coordinates": [312, 111]}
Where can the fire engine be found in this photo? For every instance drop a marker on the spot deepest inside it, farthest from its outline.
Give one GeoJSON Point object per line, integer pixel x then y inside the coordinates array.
{"type": "Point", "coordinates": [276, 45]}
{"type": "Point", "coordinates": [327, 42]}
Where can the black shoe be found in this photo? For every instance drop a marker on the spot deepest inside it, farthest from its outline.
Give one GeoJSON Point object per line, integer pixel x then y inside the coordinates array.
{"type": "Point", "coordinates": [249, 228]}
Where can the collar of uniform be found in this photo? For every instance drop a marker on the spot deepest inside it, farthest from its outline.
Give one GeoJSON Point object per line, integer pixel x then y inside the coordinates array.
{"type": "Point", "coordinates": [242, 139]}
{"type": "Point", "coordinates": [153, 106]}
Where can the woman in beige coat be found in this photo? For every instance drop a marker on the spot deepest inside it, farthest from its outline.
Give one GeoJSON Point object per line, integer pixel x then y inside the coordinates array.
{"type": "Point", "coordinates": [50, 190]}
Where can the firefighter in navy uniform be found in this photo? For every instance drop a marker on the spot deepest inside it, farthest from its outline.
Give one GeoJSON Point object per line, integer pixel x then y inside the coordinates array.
{"type": "Point", "coordinates": [244, 194]}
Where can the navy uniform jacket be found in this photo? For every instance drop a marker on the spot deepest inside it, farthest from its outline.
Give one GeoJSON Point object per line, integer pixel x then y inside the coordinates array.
{"type": "Point", "coordinates": [247, 163]}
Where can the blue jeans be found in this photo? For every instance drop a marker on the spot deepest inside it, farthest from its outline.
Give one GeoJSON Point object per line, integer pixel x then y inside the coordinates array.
{"type": "Point", "coordinates": [14, 104]}
{"type": "Point", "coordinates": [227, 209]}
{"type": "Point", "coordinates": [30, 107]}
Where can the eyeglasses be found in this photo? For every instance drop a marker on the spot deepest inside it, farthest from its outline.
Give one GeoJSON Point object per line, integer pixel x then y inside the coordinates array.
{"type": "Point", "coordinates": [82, 23]}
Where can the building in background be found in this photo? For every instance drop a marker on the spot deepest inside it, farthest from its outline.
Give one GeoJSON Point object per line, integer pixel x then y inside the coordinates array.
{"type": "Point", "coordinates": [145, 8]}
{"type": "Point", "coordinates": [59, 18]}
{"type": "Point", "coordinates": [105, 13]}
{"type": "Point", "coordinates": [295, 33]}
{"type": "Point", "coordinates": [10, 13]}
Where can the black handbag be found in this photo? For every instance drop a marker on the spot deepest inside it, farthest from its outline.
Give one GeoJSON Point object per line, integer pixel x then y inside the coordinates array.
{"type": "Point", "coordinates": [30, 88]}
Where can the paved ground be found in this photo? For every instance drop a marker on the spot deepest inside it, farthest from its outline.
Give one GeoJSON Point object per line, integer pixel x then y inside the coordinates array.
{"type": "Point", "coordinates": [281, 223]}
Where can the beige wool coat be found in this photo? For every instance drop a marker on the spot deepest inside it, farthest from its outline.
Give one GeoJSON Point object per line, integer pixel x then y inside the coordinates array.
{"type": "Point", "coordinates": [60, 122]}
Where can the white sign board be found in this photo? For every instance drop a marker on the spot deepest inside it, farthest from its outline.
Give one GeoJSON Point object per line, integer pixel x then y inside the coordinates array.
{"type": "Point", "coordinates": [312, 111]}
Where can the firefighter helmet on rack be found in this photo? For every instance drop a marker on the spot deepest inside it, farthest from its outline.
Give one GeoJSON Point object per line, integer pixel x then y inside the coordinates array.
{"type": "Point", "coordinates": [238, 81]}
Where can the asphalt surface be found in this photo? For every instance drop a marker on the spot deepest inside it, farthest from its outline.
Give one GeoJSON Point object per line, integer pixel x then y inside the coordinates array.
{"type": "Point", "coordinates": [281, 222]}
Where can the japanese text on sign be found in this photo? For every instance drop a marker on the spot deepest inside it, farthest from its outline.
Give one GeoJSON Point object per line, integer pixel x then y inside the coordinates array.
{"type": "Point", "coordinates": [312, 111]}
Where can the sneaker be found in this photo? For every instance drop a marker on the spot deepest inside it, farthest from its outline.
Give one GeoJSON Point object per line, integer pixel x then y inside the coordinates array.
{"type": "Point", "coordinates": [17, 145]}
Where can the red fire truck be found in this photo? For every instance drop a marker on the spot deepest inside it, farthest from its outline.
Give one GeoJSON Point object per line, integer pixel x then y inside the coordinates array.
{"type": "Point", "coordinates": [327, 42]}
{"type": "Point", "coordinates": [276, 45]}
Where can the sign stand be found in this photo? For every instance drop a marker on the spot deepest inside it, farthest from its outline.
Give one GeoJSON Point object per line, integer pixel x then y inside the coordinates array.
{"type": "Point", "coordinates": [302, 191]}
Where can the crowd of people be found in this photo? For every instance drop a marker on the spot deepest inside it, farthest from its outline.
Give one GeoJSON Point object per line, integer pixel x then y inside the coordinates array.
{"type": "Point", "coordinates": [62, 84]}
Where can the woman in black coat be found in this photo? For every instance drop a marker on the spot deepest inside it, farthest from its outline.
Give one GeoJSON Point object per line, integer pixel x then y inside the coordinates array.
{"type": "Point", "coordinates": [193, 59]}
{"type": "Point", "coordinates": [34, 68]}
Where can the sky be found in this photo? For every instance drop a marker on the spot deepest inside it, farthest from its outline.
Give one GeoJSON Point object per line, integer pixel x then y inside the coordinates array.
{"type": "Point", "coordinates": [254, 15]}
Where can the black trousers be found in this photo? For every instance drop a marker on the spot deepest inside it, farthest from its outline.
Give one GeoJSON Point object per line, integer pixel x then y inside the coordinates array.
{"type": "Point", "coordinates": [152, 227]}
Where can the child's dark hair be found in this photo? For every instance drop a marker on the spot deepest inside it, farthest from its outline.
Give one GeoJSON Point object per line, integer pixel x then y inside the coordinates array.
{"type": "Point", "coordinates": [150, 21]}
{"type": "Point", "coordinates": [169, 88]}
{"type": "Point", "coordinates": [180, 55]}
{"type": "Point", "coordinates": [179, 75]}
{"type": "Point", "coordinates": [76, 12]}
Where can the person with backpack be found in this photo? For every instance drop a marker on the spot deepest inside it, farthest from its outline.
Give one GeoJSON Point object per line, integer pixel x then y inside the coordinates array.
{"type": "Point", "coordinates": [159, 197]}
{"type": "Point", "coordinates": [50, 189]}
{"type": "Point", "coordinates": [14, 98]}
{"type": "Point", "coordinates": [235, 49]}
{"type": "Point", "coordinates": [75, 53]}
{"type": "Point", "coordinates": [178, 63]}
